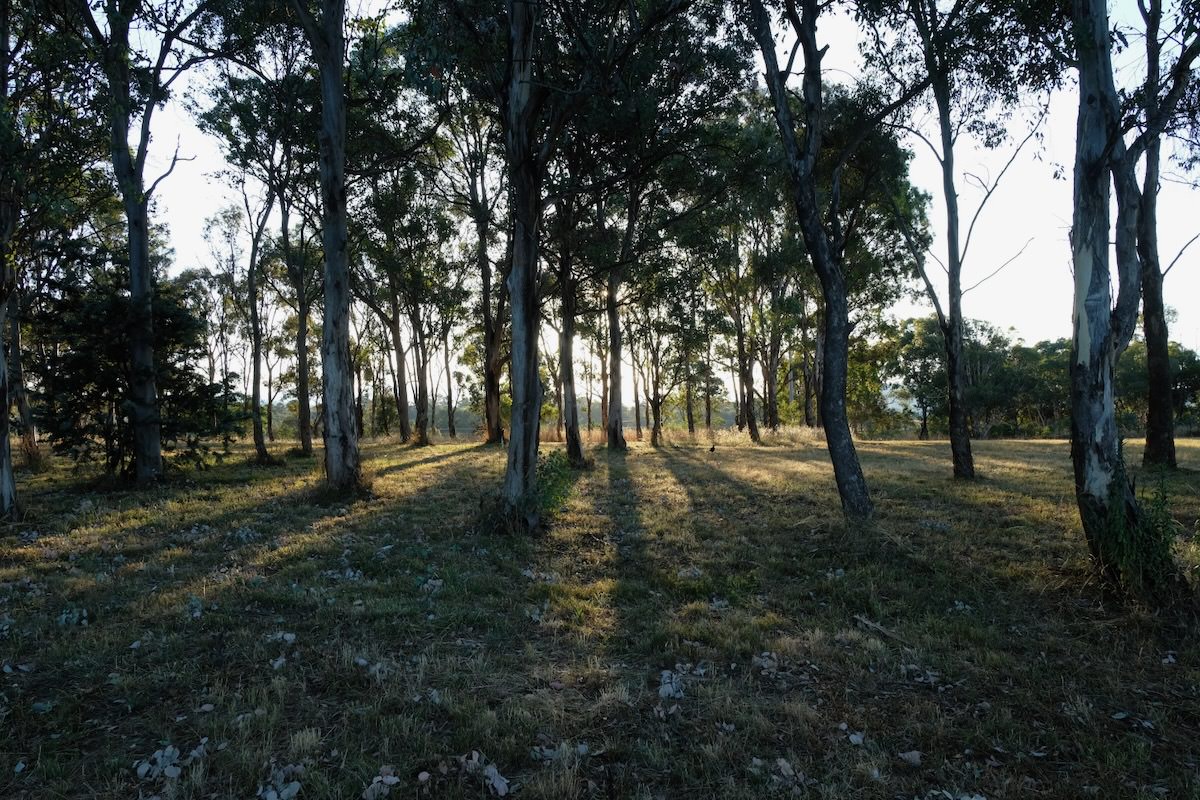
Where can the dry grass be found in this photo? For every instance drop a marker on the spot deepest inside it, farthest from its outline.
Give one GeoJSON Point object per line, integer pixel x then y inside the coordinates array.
{"type": "Point", "coordinates": [332, 645]}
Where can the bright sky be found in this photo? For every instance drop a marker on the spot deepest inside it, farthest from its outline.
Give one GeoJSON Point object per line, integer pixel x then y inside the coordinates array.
{"type": "Point", "coordinates": [1032, 295]}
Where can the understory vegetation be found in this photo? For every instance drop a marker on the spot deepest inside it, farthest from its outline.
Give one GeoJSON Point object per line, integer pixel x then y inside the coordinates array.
{"type": "Point", "coordinates": [694, 623]}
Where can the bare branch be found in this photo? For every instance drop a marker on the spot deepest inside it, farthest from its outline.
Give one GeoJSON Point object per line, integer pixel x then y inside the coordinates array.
{"type": "Point", "coordinates": [989, 191]}
{"type": "Point", "coordinates": [997, 270]}
{"type": "Point", "coordinates": [1180, 254]}
{"type": "Point", "coordinates": [175, 159]}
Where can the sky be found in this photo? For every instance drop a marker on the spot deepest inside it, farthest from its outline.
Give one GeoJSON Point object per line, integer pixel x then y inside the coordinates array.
{"type": "Point", "coordinates": [1032, 296]}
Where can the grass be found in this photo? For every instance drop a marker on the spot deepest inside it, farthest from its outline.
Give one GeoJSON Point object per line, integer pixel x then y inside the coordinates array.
{"type": "Point", "coordinates": [694, 624]}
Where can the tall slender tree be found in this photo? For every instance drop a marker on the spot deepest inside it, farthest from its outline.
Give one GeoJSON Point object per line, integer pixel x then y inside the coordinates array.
{"type": "Point", "coordinates": [326, 39]}
{"type": "Point", "coordinates": [1127, 550]}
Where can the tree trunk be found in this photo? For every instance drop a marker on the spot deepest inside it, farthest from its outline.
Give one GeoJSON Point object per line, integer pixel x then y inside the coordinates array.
{"type": "Point", "coordinates": [616, 276]}
{"type": "Point", "coordinates": [852, 486]}
{"type": "Point", "coordinates": [688, 401]}
{"type": "Point", "coordinates": [591, 371]}
{"type": "Point", "coordinates": [303, 399]}
{"type": "Point", "coordinates": [519, 493]}
{"type": "Point", "coordinates": [400, 379]}
{"type": "Point", "coordinates": [952, 327]}
{"type": "Point", "coordinates": [450, 431]}
{"type": "Point", "coordinates": [569, 299]}
{"type": "Point", "coordinates": [256, 337]}
{"type": "Point", "coordinates": [358, 404]}
{"type": "Point", "coordinates": [143, 389]}
{"type": "Point", "coordinates": [421, 368]}
{"type": "Point", "coordinates": [1112, 521]}
{"type": "Point", "coordinates": [8, 281]}
{"type": "Point", "coordinates": [17, 392]}
{"type": "Point", "coordinates": [637, 404]}
{"type": "Point", "coordinates": [8, 485]}
{"type": "Point", "coordinates": [566, 370]}
{"type": "Point", "coordinates": [492, 335]}
{"type": "Point", "coordinates": [296, 273]}
{"type": "Point", "coordinates": [128, 169]}
{"type": "Point", "coordinates": [739, 413]}
{"type": "Point", "coordinates": [603, 388]}
{"type": "Point", "coordinates": [1160, 419]}
{"type": "Point", "coordinates": [342, 470]}
{"type": "Point", "coordinates": [746, 373]}
{"type": "Point", "coordinates": [656, 423]}
{"type": "Point", "coordinates": [613, 423]}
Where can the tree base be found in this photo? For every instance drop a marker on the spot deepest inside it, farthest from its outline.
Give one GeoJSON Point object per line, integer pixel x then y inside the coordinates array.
{"type": "Point", "coordinates": [499, 517]}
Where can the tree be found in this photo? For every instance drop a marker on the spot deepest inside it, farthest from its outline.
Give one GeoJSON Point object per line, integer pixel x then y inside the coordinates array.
{"type": "Point", "coordinates": [49, 146]}
{"type": "Point", "coordinates": [1151, 101]}
{"type": "Point", "coordinates": [823, 230]}
{"type": "Point", "coordinates": [142, 48]}
{"type": "Point", "coordinates": [406, 244]}
{"type": "Point", "coordinates": [257, 109]}
{"type": "Point", "coordinates": [976, 60]}
{"type": "Point", "coordinates": [477, 188]}
{"type": "Point", "coordinates": [1126, 548]}
{"type": "Point", "coordinates": [326, 40]}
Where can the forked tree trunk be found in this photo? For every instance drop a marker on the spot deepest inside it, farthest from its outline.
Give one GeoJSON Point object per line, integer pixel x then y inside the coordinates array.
{"type": "Point", "coordinates": [342, 470]}
{"type": "Point", "coordinates": [1112, 521]}
{"type": "Point", "coordinates": [129, 171]}
{"type": "Point", "coordinates": [519, 493]}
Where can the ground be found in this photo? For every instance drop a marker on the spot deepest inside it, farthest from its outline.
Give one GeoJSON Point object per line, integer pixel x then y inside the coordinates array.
{"type": "Point", "coordinates": [695, 624]}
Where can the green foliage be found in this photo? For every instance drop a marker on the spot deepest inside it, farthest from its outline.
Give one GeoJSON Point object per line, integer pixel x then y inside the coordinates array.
{"type": "Point", "coordinates": [554, 480]}
{"type": "Point", "coordinates": [84, 381]}
{"type": "Point", "coordinates": [1138, 541]}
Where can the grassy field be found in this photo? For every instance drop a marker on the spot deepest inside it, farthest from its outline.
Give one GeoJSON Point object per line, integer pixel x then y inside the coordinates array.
{"type": "Point", "coordinates": [694, 625]}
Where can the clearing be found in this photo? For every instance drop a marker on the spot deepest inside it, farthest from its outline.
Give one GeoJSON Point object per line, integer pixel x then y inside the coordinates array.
{"type": "Point", "coordinates": [695, 625]}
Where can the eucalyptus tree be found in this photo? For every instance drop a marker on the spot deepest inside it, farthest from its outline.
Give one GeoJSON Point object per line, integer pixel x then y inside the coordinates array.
{"type": "Point", "coordinates": [659, 332]}
{"type": "Point", "coordinates": [262, 106]}
{"type": "Point", "coordinates": [1127, 548]}
{"type": "Point", "coordinates": [474, 179]}
{"type": "Point", "coordinates": [324, 30]}
{"type": "Point", "coordinates": [656, 125]}
{"type": "Point", "coordinates": [1168, 38]}
{"type": "Point", "coordinates": [978, 57]}
{"type": "Point", "coordinates": [50, 150]}
{"type": "Point", "coordinates": [821, 218]}
{"type": "Point", "coordinates": [536, 65]}
{"type": "Point", "coordinates": [568, 239]}
{"type": "Point", "coordinates": [141, 48]}
{"type": "Point", "coordinates": [406, 243]}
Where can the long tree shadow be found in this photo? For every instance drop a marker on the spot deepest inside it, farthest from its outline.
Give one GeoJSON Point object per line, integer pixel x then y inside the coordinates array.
{"type": "Point", "coordinates": [394, 631]}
